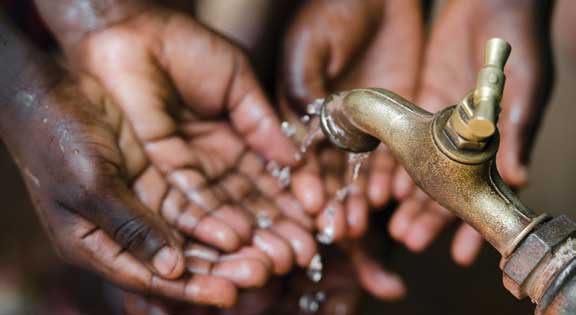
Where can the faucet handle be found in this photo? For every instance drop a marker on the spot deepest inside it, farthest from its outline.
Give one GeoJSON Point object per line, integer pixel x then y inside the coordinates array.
{"type": "Point", "coordinates": [489, 89]}
{"type": "Point", "coordinates": [474, 120]}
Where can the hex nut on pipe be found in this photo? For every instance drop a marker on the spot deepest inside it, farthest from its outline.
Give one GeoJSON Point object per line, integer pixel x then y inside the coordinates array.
{"type": "Point", "coordinates": [534, 250]}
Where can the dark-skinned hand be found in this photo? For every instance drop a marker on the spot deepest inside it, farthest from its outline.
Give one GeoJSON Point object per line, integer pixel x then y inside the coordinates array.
{"type": "Point", "coordinates": [341, 45]}
{"type": "Point", "coordinates": [207, 129]}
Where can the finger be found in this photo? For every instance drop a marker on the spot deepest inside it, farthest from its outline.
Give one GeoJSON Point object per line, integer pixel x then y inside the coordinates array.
{"type": "Point", "coordinates": [311, 58]}
{"type": "Point", "coordinates": [466, 245]}
{"type": "Point", "coordinates": [231, 88]}
{"type": "Point", "coordinates": [521, 115]}
{"type": "Point", "coordinates": [402, 219]}
{"type": "Point", "coordinates": [197, 223]}
{"type": "Point", "coordinates": [264, 210]}
{"type": "Point", "coordinates": [427, 226]}
{"type": "Point", "coordinates": [238, 220]}
{"type": "Point", "coordinates": [403, 184]}
{"type": "Point", "coordinates": [357, 212]}
{"type": "Point", "coordinates": [203, 214]}
{"type": "Point", "coordinates": [137, 229]}
{"type": "Point", "coordinates": [308, 187]}
{"type": "Point", "coordinates": [253, 252]}
{"type": "Point", "coordinates": [255, 120]}
{"type": "Point", "coordinates": [150, 187]}
{"type": "Point", "coordinates": [305, 59]}
{"type": "Point", "coordinates": [378, 281]}
{"type": "Point", "coordinates": [243, 272]}
{"type": "Point", "coordinates": [102, 254]}
{"type": "Point", "coordinates": [199, 258]}
{"type": "Point", "coordinates": [278, 249]}
{"type": "Point", "coordinates": [301, 241]}
{"type": "Point", "coordinates": [292, 209]}
{"type": "Point", "coordinates": [379, 188]}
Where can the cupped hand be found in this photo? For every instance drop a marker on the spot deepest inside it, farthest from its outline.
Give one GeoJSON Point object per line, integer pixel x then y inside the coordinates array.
{"type": "Point", "coordinates": [454, 55]}
{"type": "Point", "coordinates": [80, 157]}
{"type": "Point", "coordinates": [341, 45]}
{"type": "Point", "coordinates": [210, 136]}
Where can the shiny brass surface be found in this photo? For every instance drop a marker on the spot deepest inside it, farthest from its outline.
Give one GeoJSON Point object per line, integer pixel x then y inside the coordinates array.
{"type": "Point", "coordinates": [465, 182]}
{"type": "Point", "coordinates": [451, 156]}
{"type": "Point", "coordinates": [476, 115]}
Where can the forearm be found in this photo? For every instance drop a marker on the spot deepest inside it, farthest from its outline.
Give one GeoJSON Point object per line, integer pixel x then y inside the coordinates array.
{"type": "Point", "coordinates": [25, 77]}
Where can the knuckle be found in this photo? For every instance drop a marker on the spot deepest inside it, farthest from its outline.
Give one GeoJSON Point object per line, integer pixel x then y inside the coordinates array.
{"type": "Point", "coordinates": [138, 237]}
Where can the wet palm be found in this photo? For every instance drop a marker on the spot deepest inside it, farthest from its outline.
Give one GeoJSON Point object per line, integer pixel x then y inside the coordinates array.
{"type": "Point", "coordinates": [341, 45]}
{"type": "Point", "coordinates": [207, 130]}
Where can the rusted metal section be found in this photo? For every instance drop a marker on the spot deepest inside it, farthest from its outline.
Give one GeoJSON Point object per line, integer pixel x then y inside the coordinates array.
{"type": "Point", "coordinates": [538, 259]}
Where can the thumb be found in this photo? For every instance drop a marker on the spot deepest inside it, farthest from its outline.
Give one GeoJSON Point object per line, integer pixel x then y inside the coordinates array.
{"type": "Point", "coordinates": [137, 229]}
{"type": "Point", "coordinates": [522, 110]}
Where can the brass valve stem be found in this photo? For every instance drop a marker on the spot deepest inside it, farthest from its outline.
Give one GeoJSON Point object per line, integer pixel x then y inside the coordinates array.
{"type": "Point", "coordinates": [474, 120]}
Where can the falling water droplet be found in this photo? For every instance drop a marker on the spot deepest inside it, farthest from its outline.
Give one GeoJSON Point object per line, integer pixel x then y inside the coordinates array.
{"type": "Point", "coordinates": [284, 177]}
{"type": "Point", "coordinates": [326, 235]}
{"type": "Point", "coordinates": [315, 269]}
{"type": "Point", "coordinates": [314, 131]}
{"type": "Point", "coordinates": [342, 193]}
{"type": "Point", "coordinates": [309, 304]}
{"type": "Point", "coordinates": [263, 220]}
{"type": "Point", "coordinates": [355, 161]}
{"type": "Point", "coordinates": [288, 130]}
{"type": "Point", "coordinates": [282, 174]}
{"type": "Point", "coordinates": [315, 107]}
{"type": "Point", "coordinates": [320, 296]}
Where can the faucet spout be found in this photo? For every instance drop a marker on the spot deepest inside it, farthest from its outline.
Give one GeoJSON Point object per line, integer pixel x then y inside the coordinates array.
{"type": "Point", "coordinates": [467, 183]}
{"type": "Point", "coordinates": [451, 156]}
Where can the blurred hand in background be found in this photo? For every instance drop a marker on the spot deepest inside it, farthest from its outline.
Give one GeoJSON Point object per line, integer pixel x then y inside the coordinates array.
{"type": "Point", "coordinates": [341, 45]}
{"type": "Point", "coordinates": [454, 53]}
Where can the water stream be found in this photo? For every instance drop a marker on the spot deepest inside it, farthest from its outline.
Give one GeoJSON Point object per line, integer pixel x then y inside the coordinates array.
{"type": "Point", "coordinates": [311, 302]}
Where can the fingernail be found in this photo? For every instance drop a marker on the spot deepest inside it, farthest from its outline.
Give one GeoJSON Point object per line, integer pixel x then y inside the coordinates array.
{"type": "Point", "coordinates": [165, 261]}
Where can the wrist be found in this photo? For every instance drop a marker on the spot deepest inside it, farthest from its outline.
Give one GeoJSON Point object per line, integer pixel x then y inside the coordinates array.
{"type": "Point", "coordinates": [26, 78]}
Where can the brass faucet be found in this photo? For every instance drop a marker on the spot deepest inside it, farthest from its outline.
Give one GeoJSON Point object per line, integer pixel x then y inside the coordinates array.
{"type": "Point", "coordinates": [451, 156]}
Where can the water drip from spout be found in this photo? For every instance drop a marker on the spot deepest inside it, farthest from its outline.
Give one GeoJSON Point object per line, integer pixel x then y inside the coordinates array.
{"type": "Point", "coordinates": [315, 269]}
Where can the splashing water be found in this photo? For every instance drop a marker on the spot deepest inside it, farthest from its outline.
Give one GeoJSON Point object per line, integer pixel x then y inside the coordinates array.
{"type": "Point", "coordinates": [312, 122]}
{"type": "Point", "coordinates": [288, 130]}
{"type": "Point", "coordinates": [310, 303]}
{"type": "Point", "coordinates": [314, 131]}
{"type": "Point", "coordinates": [282, 174]}
{"type": "Point", "coordinates": [315, 107]}
{"type": "Point", "coordinates": [326, 235]}
{"type": "Point", "coordinates": [263, 221]}
{"type": "Point", "coordinates": [355, 161]}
